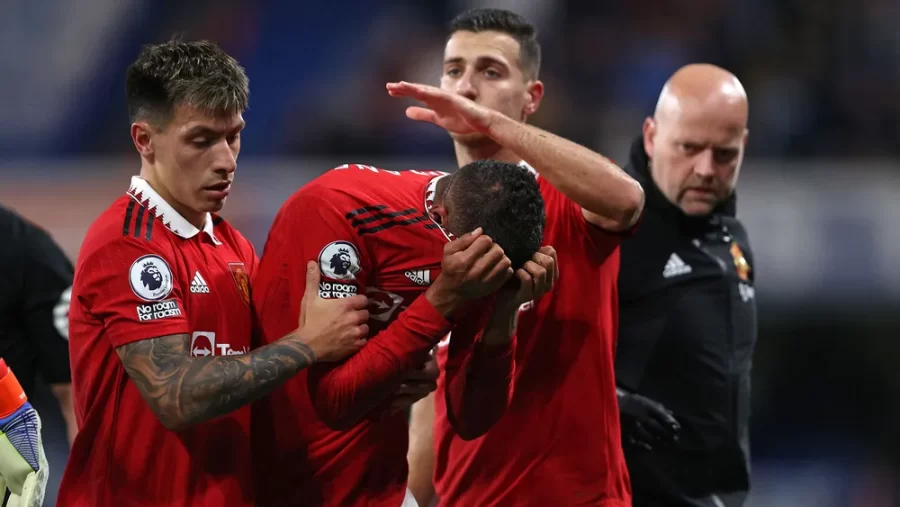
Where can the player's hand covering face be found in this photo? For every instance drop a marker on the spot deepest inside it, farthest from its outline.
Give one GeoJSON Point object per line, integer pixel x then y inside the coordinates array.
{"type": "Point", "coordinates": [532, 280]}
{"type": "Point", "coordinates": [474, 266]}
{"type": "Point", "coordinates": [450, 111]}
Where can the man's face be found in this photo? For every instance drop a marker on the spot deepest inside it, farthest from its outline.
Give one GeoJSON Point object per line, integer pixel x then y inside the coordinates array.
{"type": "Point", "coordinates": [485, 68]}
{"type": "Point", "coordinates": [196, 156]}
{"type": "Point", "coordinates": [696, 154]}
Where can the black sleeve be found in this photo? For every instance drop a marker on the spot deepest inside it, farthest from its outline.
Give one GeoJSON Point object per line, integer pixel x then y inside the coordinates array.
{"type": "Point", "coordinates": [45, 302]}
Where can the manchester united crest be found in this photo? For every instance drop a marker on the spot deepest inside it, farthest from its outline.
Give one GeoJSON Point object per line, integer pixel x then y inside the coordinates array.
{"type": "Point", "coordinates": [239, 273]}
{"type": "Point", "coordinates": [740, 262]}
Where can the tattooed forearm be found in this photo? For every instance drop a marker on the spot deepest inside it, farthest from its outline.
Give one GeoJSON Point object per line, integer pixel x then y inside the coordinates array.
{"type": "Point", "coordinates": [184, 390]}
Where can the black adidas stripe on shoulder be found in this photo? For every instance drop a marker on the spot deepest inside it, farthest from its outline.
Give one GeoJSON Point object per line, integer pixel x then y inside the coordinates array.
{"type": "Point", "coordinates": [126, 227]}
{"type": "Point", "coordinates": [142, 228]}
{"type": "Point", "coordinates": [365, 209]}
{"type": "Point", "coordinates": [372, 219]}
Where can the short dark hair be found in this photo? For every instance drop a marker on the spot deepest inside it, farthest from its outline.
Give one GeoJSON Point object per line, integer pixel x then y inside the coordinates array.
{"type": "Point", "coordinates": [508, 22]}
{"type": "Point", "coordinates": [198, 73]}
{"type": "Point", "coordinates": [505, 201]}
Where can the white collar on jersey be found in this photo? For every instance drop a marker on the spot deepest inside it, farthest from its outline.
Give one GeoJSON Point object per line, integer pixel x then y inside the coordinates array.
{"type": "Point", "coordinates": [524, 164]}
{"type": "Point", "coordinates": [141, 192]}
{"type": "Point", "coordinates": [430, 191]}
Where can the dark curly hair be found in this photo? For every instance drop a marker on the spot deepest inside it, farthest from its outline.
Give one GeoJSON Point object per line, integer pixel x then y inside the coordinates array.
{"type": "Point", "coordinates": [508, 22]}
{"type": "Point", "coordinates": [198, 73]}
{"type": "Point", "coordinates": [504, 200]}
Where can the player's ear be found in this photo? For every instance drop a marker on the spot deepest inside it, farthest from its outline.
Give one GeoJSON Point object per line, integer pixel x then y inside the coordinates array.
{"type": "Point", "coordinates": [438, 213]}
{"type": "Point", "coordinates": [649, 132]}
{"type": "Point", "coordinates": [142, 136]}
{"type": "Point", "coordinates": [534, 95]}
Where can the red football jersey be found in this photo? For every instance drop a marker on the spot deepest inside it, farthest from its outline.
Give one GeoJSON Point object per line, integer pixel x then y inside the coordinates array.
{"type": "Point", "coordinates": [145, 272]}
{"type": "Point", "coordinates": [327, 436]}
{"type": "Point", "coordinates": [558, 442]}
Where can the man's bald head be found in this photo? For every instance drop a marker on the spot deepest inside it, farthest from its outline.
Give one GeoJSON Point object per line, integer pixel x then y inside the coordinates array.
{"type": "Point", "coordinates": [706, 87]}
{"type": "Point", "coordinates": [696, 137]}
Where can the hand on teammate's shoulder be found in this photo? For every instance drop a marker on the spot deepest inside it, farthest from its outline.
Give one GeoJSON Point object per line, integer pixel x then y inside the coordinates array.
{"type": "Point", "coordinates": [332, 328]}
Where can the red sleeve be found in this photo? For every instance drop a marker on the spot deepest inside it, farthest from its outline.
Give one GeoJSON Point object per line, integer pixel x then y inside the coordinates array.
{"type": "Point", "coordinates": [342, 393]}
{"type": "Point", "coordinates": [478, 378]}
{"type": "Point", "coordinates": [568, 219]}
{"type": "Point", "coordinates": [132, 286]}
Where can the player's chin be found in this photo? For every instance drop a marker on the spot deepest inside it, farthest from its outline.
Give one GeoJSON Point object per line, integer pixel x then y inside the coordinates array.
{"type": "Point", "coordinates": [697, 207]}
{"type": "Point", "coordinates": [212, 204]}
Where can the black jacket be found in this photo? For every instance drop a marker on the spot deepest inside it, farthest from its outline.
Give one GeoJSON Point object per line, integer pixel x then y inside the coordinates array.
{"type": "Point", "coordinates": [34, 302]}
{"type": "Point", "coordinates": [686, 336]}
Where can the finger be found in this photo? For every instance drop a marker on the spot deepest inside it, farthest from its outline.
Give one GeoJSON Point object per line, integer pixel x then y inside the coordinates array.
{"type": "Point", "coordinates": [401, 88]}
{"type": "Point", "coordinates": [462, 243]}
{"type": "Point", "coordinates": [312, 290]}
{"type": "Point", "coordinates": [432, 369]}
{"type": "Point", "coordinates": [427, 374]}
{"type": "Point", "coordinates": [417, 387]}
{"type": "Point", "coordinates": [657, 430]}
{"type": "Point", "coordinates": [421, 114]}
{"type": "Point", "coordinates": [641, 433]}
{"type": "Point", "coordinates": [485, 263]}
{"type": "Point", "coordinates": [414, 90]}
{"type": "Point", "coordinates": [549, 278]}
{"type": "Point", "coordinates": [312, 280]}
{"type": "Point", "coordinates": [536, 270]}
{"type": "Point", "coordinates": [478, 249]}
{"type": "Point", "coordinates": [501, 273]}
{"type": "Point", "coordinates": [357, 302]}
{"type": "Point", "coordinates": [550, 251]}
{"type": "Point", "coordinates": [362, 316]}
{"type": "Point", "coordinates": [642, 444]}
{"type": "Point", "coordinates": [538, 277]}
{"type": "Point", "coordinates": [666, 419]}
{"type": "Point", "coordinates": [363, 331]}
{"type": "Point", "coordinates": [547, 262]}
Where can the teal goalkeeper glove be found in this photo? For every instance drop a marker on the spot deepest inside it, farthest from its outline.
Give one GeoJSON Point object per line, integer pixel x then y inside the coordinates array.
{"type": "Point", "coordinates": [23, 464]}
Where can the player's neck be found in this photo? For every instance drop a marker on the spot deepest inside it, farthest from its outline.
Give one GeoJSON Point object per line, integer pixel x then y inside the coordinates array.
{"type": "Point", "coordinates": [466, 154]}
{"type": "Point", "coordinates": [195, 218]}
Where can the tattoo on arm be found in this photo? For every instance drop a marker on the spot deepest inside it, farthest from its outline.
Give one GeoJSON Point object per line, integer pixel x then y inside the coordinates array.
{"type": "Point", "coordinates": [184, 390]}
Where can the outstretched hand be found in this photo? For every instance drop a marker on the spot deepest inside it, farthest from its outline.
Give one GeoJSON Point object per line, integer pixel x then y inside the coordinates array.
{"type": "Point", "coordinates": [450, 111]}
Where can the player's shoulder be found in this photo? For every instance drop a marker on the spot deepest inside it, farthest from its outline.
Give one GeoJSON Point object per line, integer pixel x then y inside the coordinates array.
{"type": "Point", "coordinates": [13, 226]}
{"type": "Point", "coordinates": [9, 219]}
{"type": "Point", "coordinates": [359, 185]}
{"type": "Point", "coordinates": [364, 177]}
{"type": "Point", "coordinates": [125, 224]}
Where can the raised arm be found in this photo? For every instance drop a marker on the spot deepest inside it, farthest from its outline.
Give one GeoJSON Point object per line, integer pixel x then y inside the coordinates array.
{"type": "Point", "coordinates": [609, 197]}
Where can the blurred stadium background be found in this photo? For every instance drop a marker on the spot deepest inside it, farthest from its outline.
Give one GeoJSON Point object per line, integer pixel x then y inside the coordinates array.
{"type": "Point", "coordinates": [820, 190]}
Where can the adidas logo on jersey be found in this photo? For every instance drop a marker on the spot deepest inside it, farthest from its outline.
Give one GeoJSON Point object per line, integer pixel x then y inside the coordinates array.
{"type": "Point", "coordinates": [419, 276]}
{"type": "Point", "coordinates": [675, 267]}
{"type": "Point", "coordinates": [198, 284]}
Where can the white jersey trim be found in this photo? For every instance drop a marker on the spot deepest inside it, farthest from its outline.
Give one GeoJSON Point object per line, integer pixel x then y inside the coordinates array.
{"type": "Point", "coordinates": [141, 192]}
